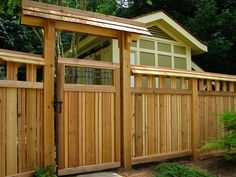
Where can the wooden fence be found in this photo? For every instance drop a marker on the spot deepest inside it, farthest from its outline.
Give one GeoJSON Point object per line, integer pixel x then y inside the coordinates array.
{"type": "Point", "coordinates": [21, 115]}
{"type": "Point", "coordinates": [174, 111]}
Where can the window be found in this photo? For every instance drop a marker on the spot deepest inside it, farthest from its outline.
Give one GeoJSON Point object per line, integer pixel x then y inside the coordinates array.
{"type": "Point", "coordinates": [164, 61]}
{"type": "Point", "coordinates": [180, 63]}
{"type": "Point", "coordinates": [164, 47]}
{"type": "Point", "coordinates": [132, 58]}
{"type": "Point", "coordinates": [147, 44]}
{"type": "Point", "coordinates": [179, 50]}
{"type": "Point", "coordinates": [152, 51]}
{"type": "Point", "coordinates": [147, 59]}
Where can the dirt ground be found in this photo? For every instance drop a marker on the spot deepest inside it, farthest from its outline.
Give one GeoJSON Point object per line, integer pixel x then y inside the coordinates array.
{"type": "Point", "coordinates": [216, 165]}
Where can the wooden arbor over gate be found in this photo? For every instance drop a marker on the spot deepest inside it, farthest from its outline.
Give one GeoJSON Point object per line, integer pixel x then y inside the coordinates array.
{"type": "Point", "coordinates": [52, 18]}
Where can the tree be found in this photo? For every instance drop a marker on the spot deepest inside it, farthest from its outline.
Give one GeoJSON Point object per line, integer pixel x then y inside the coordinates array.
{"type": "Point", "coordinates": [215, 25]}
{"type": "Point", "coordinates": [14, 36]}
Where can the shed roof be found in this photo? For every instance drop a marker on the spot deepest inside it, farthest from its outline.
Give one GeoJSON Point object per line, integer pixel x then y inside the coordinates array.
{"type": "Point", "coordinates": [64, 14]}
{"type": "Point", "coordinates": [175, 27]}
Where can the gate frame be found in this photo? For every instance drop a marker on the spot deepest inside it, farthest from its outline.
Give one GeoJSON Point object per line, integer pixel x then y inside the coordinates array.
{"type": "Point", "coordinates": [125, 30]}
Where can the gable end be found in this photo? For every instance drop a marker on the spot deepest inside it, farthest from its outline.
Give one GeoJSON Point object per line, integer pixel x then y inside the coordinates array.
{"type": "Point", "coordinates": [157, 32]}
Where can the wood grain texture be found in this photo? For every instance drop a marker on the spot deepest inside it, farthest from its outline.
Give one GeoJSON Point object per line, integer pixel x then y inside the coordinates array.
{"type": "Point", "coordinates": [126, 123]}
{"type": "Point", "coordinates": [3, 131]}
{"type": "Point", "coordinates": [11, 131]}
{"type": "Point", "coordinates": [49, 41]}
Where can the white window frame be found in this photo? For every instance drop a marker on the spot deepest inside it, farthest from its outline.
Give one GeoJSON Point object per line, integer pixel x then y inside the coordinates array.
{"type": "Point", "coordinates": [186, 56]}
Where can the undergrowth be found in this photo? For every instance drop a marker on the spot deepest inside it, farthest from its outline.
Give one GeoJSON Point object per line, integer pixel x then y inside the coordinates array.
{"type": "Point", "coordinates": [48, 171]}
{"type": "Point", "coordinates": [227, 142]}
{"type": "Point", "coordinates": [178, 170]}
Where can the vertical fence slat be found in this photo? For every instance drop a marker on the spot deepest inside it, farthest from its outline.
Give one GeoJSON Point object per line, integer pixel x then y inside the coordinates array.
{"type": "Point", "coordinates": [163, 121]}
{"type": "Point", "coordinates": [89, 129]}
{"type": "Point", "coordinates": [72, 128]}
{"type": "Point", "coordinates": [11, 131]}
{"type": "Point", "coordinates": [174, 117]}
{"type": "Point", "coordinates": [66, 122]}
{"type": "Point", "coordinates": [96, 127]}
{"type": "Point", "coordinates": [12, 69]}
{"type": "Point", "coordinates": [138, 119]}
{"type": "Point", "coordinates": [80, 122]}
{"type": "Point", "coordinates": [195, 119]}
{"type": "Point", "coordinates": [217, 86]}
{"type": "Point", "coordinates": [151, 118]}
{"type": "Point", "coordinates": [106, 124]}
{"type": "Point", "coordinates": [100, 127]}
{"type": "Point", "coordinates": [38, 128]}
{"type": "Point", "coordinates": [133, 124]}
{"type": "Point", "coordinates": [2, 131]}
{"type": "Point", "coordinates": [31, 129]}
{"type": "Point", "coordinates": [21, 130]}
{"type": "Point", "coordinates": [112, 128]}
{"type": "Point", "coordinates": [31, 115]}
{"type": "Point", "coordinates": [209, 85]}
{"type": "Point", "coordinates": [231, 86]}
{"type": "Point", "coordinates": [117, 115]}
{"type": "Point", "coordinates": [224, 86]}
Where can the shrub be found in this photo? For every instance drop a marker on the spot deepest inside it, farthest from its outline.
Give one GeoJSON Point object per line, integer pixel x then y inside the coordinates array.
{"type": "Point", "coordinates": [227, 143]}
{"type": "Point", "coordinates": [48, 171]}
{"type": "Point", "coordinates": [178, 170]}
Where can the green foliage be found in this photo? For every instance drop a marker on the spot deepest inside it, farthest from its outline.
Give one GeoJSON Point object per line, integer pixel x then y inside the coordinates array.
{"type": "Point", "coordinates": [107, 7]}
{"type": "Point", "coordinates": [178, 170]}
{"type": "Point", "coordinates": [48, 171]}
{"type": "Point", "coordinates": [215, 24]}
{"type": "Point", "coordinates": [226, 142]}
{"type": "Point", "coordinates": [13, 35]}
{"type": "Point", "coordinates": [213, 21]}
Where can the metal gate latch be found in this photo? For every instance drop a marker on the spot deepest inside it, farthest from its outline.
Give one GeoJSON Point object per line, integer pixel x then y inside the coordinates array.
{"type": "Point", "coordinates": [58, 105]}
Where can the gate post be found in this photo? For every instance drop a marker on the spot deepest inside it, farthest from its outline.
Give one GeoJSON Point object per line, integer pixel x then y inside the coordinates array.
{"type": "Point", "coordinates": [124, 45]}
{"type": "Point", "coordinates": [48, 118]}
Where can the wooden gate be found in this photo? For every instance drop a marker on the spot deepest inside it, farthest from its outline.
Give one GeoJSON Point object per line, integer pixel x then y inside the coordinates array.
{"type": "Point", "coordinates": [89, 119]}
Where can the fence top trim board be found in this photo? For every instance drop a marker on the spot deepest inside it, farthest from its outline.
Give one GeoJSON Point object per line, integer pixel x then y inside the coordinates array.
{"type": "Point", "coordinates": [64, 14]}
{"type": "Point", "coordinates": [20, 57]}
{"type": "Point", "coordinates": [146, 70]}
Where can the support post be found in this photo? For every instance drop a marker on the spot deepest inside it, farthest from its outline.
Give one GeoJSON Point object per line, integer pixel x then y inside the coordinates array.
{"type": "Point", "coordinates": [125, 89]}
{"type": "Point", "coordinates": [195, 119]}
{"type": "Point", "coordinates": [48, 119]}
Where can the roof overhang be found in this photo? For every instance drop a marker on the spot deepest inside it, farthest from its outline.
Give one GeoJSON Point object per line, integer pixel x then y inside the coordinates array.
{"type": "Point", "coordinates": [35, 13]}
{"type": "Point", "coordinates": [174, 27]}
